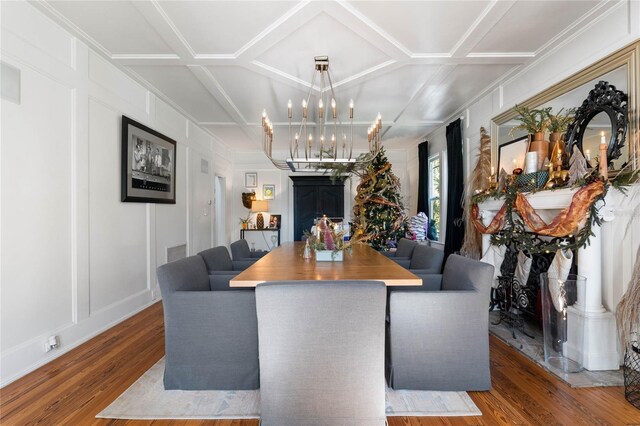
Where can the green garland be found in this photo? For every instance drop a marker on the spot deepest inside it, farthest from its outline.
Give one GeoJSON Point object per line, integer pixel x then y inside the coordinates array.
{"type": "Point", "coordinates": [515, 232]}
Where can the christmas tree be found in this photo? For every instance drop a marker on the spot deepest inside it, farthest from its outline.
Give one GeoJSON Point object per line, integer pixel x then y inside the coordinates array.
{"type": "Point", "coordinates": [378, 214]}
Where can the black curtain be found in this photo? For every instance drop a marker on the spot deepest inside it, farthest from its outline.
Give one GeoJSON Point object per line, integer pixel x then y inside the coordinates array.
{"type": "Point", "coordinates": [423, 177]}
{"type": "Point", "coordinates": [455, 189]}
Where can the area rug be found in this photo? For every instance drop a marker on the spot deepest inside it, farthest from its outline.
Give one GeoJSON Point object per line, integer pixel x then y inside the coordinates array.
{"type": "Point", "coordinates": [533, 348]}
{"type": "Point", "coordinates": [146, 399]}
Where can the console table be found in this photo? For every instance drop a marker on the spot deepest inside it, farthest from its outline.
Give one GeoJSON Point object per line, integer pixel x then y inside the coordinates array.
{"type": "Point", "coordinates": [242, 231]}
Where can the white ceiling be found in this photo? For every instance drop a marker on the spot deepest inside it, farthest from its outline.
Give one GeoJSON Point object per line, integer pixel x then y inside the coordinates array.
{"type": "Point", "coordinates": [416, 62]}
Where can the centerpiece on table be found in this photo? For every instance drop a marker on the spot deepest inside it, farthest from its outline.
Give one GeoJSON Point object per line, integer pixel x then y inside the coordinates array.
{"type": "Point", "coordinates": [328, 241]}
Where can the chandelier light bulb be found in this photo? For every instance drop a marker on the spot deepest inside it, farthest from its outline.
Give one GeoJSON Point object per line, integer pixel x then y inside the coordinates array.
{"type": "Point", "coordinates": [297, 136]}
{"type": "Point", "coordinates": [289, 109]}
{"type": "Point", "coordinates": [320, 104]}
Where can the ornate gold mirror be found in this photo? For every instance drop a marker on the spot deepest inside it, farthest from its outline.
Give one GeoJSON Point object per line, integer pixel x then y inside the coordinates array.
{"type": "Point", "coordinates": [620, 69]}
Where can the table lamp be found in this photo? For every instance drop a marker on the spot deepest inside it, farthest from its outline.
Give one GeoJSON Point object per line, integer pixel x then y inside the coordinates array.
{"type": "Point", "coordinates": [259, 206]}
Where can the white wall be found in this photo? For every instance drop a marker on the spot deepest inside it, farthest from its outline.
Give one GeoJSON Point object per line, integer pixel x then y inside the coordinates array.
{"type": "Point", "coordinates": [613, 30]}
{"type": "Point", "coordinates": [76, 260]}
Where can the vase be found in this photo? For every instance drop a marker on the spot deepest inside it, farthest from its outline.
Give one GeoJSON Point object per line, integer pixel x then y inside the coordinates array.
{"type": "Point", "coordinates": [562, 322]}
{"type": "Point", "coordinates": [245, 225]}
{"type": "Point", "coordinates": [541, 146]}
{"type": "Point", "coordinates": [329, 256]}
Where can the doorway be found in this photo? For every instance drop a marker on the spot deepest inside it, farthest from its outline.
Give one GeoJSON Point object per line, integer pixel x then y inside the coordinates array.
{"type": "Point", "coordinates": [314, 196]}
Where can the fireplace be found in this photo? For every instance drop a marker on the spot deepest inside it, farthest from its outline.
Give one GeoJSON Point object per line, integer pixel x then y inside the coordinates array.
{"type": "Point", "coordinates": [607, 263]}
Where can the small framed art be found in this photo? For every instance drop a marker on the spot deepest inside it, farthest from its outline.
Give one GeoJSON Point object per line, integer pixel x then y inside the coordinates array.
{"type": "Point", "coordinates": [148, 169]}
{"type": "Point", "coordinates": [251, 180]}
{"type": "Point", "coordinates": [275, 221]}
{"type": "Point", "coordinates": [268, 192]}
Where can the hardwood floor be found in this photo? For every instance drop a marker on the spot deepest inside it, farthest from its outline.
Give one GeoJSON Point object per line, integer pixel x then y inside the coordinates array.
{"type": "Point", "coordinates": [72, 389]}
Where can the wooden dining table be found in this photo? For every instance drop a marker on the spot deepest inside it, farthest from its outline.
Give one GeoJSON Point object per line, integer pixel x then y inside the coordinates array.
{"type": "Point", "coordinates": [285, 263]}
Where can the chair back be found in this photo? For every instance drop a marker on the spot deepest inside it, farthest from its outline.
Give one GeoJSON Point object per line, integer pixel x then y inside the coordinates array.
{"type": "Point", "coordinates": [321, 347]}
{"type": "Point", "coordinates": [427, 259]}
{"type": "Point", "coordinates": [217, 259]}
{"type": "Point", "coordinates": [463, 273]}
{"type": "Point", "coordinates": [240, 250]}
{"type": "Point", "coordinates": [405, 247]}
{"type": "Point", "coordinates": [188, 274]}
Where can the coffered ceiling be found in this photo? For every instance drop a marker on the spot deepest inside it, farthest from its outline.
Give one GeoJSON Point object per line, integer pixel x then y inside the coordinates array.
{"type": "Point", "coordinates": [415, 62]}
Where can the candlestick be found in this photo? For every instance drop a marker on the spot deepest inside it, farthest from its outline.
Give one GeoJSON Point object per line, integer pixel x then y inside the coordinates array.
{"type": "Point", "coordinates": [604, 172]}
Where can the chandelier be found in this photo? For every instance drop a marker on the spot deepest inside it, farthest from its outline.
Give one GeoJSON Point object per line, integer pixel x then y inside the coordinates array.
{"type": "Point", "coordinates": [326, 144]}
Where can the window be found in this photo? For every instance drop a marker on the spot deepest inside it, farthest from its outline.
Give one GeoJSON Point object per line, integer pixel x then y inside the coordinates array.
{"type": "Point", "coordinates": [434, 192]}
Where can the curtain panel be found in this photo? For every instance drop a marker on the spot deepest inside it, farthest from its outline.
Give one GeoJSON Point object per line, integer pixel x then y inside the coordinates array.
{"type": "Point", "coordinates": [455, 189]}
{"type": "Point", "coordinates": [423, 178]}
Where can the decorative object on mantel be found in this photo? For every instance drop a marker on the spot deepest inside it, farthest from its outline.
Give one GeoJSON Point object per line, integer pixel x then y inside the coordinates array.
{"type": "Point", "coordinates": [325, 152]}
{"type": "Point", "coordinates": [604, 97]}
{"type": "Point", "coordinates": [557, 178]}
{"type": "Point", "coordinates": [532, 181]}
{"type": "Point", "coordinates": [378, 210]}
{"type": "Point", "coordinates": [558, 124]}
{"type": "Point", "coordinates": [628, 324]}
{"type": "Point", "coordinates": [602, 162]}
{"type": "Point", "coordinates": [535, 122]}
{"type": "Point", "coordinates": [577, 167]}
{"type": "Point", "coordinates": [502, 180]}
{"type": "Point", "coordinates": [478, 181]}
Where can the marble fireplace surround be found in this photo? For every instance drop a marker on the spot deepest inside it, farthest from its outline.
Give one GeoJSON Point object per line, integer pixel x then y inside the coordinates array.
{"type": "Point", "coordinates": [607, 262]}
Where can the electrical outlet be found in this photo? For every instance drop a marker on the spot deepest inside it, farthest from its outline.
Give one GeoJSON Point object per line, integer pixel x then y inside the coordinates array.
{"type": "Point", "coordinates": [51, 343]}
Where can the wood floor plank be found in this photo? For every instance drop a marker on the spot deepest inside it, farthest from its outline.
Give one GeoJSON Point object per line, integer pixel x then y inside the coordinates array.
{"type": "Point", "coordinates": [72, 389]}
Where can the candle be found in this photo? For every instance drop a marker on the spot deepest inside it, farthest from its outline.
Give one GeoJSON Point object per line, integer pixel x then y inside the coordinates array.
{"type": "Point", "coordinates": [588, 155]}
{"type": "Point", "coordinates": [602, 138]}
{"type": "Point", "coordinates": [289, 105]}
{"type": "Point", "coordinates": [531, 163]}
{"type": "Point", "coordinates": [493, 170]}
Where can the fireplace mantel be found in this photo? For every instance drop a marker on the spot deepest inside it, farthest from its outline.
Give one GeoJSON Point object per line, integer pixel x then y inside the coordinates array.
{"type": "Point", "coordinates": [607, 262]}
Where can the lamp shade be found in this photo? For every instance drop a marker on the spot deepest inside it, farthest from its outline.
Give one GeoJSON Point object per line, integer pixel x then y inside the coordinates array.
{"type": "Point", "coordinates": [259, 206]}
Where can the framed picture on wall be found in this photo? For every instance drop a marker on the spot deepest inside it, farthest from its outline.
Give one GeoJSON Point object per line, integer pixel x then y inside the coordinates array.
{"type": "Point", "coordinates": [148, 170]}
{"type": "Point", "coordinates": [275, 220]}
{"type": "Point", "coordinates": [268, 192]}
{"type": "Point", "coordinates": [251, 180]}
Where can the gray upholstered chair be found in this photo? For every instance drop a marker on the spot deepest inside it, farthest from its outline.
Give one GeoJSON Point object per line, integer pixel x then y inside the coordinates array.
{"type": "Point", "coordinates": [211, 337]}
{"type": "Point", "coordinates": [240, 251]}
{"type": "Point", "coordinates": [402, 255]}
{"type": "Point", "coordinates": [321, 353]}
{"type": "Point", "coordinates": [221, 268]}
{"type": "Point", "coordinates": [440, 340]}
{"type": "Point", "coordinates": [426, 263]}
